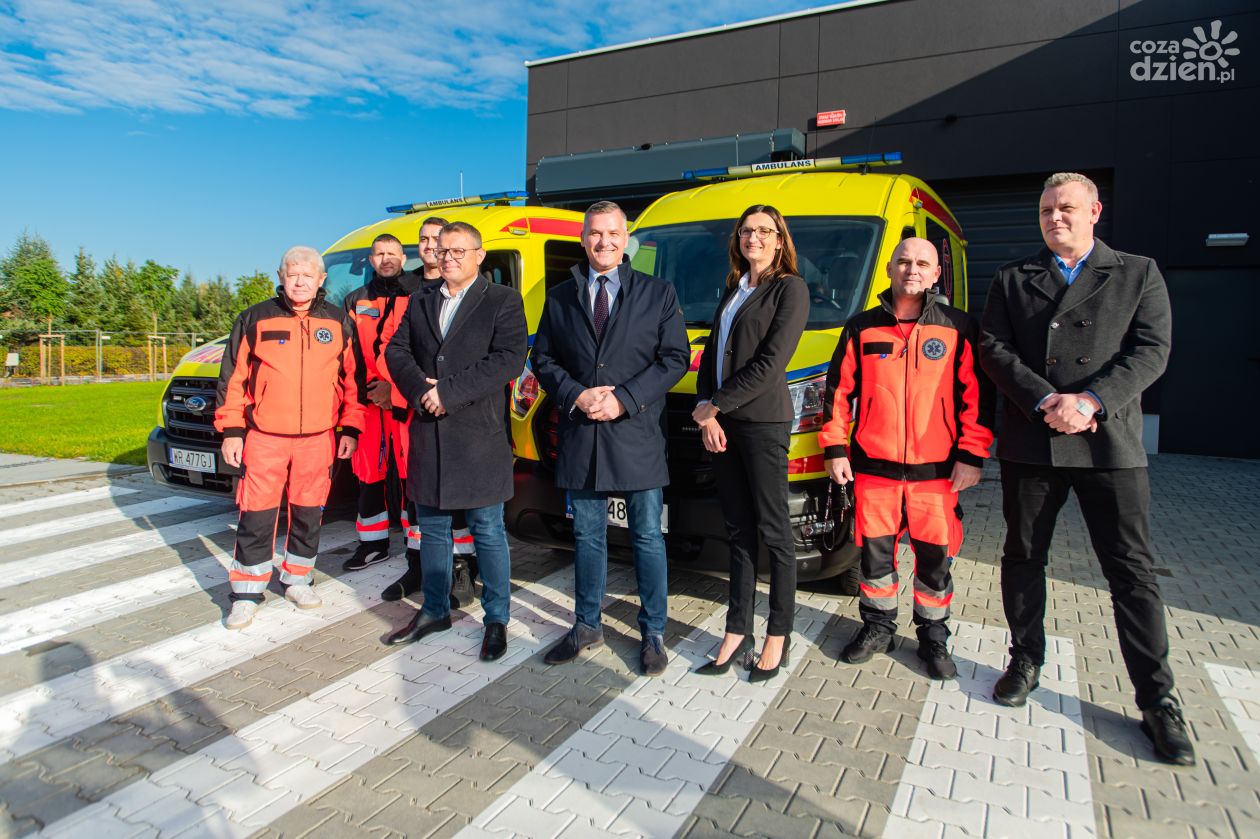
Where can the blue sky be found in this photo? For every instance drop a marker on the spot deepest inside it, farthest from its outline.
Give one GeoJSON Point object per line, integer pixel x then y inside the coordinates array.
{"type": "Point", "coordinates": [211, 136]}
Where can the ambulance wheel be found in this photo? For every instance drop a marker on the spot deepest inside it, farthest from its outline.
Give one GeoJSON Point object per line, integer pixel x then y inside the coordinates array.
{"type": "Point", "coordinates": [847, 583]}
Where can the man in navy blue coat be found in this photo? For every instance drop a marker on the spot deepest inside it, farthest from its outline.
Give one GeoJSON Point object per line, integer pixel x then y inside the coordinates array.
{"type": "Point", "coordinates": [610, 345]}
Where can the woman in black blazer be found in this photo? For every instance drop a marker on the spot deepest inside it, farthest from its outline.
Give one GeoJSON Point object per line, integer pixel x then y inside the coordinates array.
{"type": "Point", "coordinates": [745, 416]}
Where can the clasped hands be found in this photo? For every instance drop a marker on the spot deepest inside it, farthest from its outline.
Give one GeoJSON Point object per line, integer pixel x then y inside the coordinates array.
{"type": "Point", "coordinates": [599, 403]}
{"type": "Point", "coordinates": [430, 401]}
{"type": "Point", "coordinates": [1061, 414]}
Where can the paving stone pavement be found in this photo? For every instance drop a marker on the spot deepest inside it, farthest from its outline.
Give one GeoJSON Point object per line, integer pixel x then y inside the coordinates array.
{"type": "Point", "coordinates": [147, 718]}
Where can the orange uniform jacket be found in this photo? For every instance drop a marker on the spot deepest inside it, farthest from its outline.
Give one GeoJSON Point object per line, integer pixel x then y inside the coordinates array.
{"type": "Point", "coordinates": [922, 403]}
{"type": "Point", "coordinates": [289, 375]}
{"type": "Point", "coordinates": [377, 308]}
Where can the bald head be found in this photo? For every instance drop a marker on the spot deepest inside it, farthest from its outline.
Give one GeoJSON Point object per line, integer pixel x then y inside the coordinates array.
{"type": "Point", "coordinates": [914, 267]}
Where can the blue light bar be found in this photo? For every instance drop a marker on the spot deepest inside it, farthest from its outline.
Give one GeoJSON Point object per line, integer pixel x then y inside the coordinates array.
{"type": "Point", "coordinates": [468, 201]}
{"type": "Point", "coordinates": [775, 167]}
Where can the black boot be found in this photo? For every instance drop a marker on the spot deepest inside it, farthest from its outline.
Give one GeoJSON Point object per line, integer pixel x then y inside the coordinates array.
{"type": "Point", "coordinates": [409, 583]}
{"type": "Point", "coordinates": [462, 592]}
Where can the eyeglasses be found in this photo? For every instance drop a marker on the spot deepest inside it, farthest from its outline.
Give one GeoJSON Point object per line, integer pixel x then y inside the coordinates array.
{"type": "Point", "coordinates": [455, 253]}
{"type": "Point", "coordinates": [763, 233]}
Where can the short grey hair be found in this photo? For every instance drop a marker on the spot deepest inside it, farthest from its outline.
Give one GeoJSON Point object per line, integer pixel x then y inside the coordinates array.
{"type": "Point", "coordinates": [462, 227]}
{"type": "Point", "coordinates": [599, 208]}
{"type": "Point", "coordinates": [1064, 178]}
{"type": "Point", "coordinates": [302, 253]}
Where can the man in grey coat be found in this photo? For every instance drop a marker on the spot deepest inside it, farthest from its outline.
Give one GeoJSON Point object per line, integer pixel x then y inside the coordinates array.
{"type": "Point", "coordinates": [454, 352]}
{"type": "Point", "coordinates": [1071, 337]}
{"type": "Point", "coordinates": [610, 345]}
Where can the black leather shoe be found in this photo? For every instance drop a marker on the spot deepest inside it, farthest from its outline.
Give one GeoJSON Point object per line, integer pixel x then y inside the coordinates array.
{"type": "Point", "coordinates": [756, 674]}
{"type": "Point", "coordinates": [652, 656]}
{"type": "Point", "coordinates": [368, 553]}
{"type": "Point", "coordinates": [743, 655]}
{"type": "Point", "coordinates": [1166, 727]}
{"type": "Point", "coordinates": [870, 639]}
{"type": "Point", "coordinates": [1020, 679]}
{"type": "Point", "coordinates": [494, 642]}
{"type": "Point", "coordinates": [940, 665]}
{"type": "Point", "coordinates": [576, 640]}
{"type": "Point", "coordinates": [420, 626]}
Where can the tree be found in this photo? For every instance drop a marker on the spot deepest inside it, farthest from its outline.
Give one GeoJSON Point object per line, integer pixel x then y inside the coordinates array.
{"type": "Point", "coordinates": [154, 286]}
{"type": "Point", "coordinates": [37, 290]}
{"type": "Point", "coordinates": [27, 250]}
{"type": "Point", "coordinates": [88, 304]}
{"type": "Point", "coordinates": [253, 289]}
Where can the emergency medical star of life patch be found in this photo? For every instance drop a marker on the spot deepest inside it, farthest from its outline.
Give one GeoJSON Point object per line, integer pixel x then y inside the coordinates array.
{"type": "Point", "coordinates": [934, 348]}
{"type": "Point", "coordinates": [324, 336]}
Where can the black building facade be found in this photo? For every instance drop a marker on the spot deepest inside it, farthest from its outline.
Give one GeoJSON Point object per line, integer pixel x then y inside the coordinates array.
{"type": "Point", "coordinates": [1158, 100]}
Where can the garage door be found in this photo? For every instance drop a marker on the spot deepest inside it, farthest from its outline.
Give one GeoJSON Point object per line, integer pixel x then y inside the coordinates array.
{"type": "Point", "coordinates": [999, 219]}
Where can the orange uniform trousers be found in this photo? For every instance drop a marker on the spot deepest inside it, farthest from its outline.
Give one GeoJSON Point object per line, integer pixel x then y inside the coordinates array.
{"type": "Point", "coordinates": [274, 463]}
{"type": "Point", "coordinates": [885, 509]}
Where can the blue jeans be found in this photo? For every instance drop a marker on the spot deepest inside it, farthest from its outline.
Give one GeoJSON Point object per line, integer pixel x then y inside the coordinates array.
{"type": "Point", "coordinates": [493, 560]}
{"type": "Point", "coordinates": [590, 567]}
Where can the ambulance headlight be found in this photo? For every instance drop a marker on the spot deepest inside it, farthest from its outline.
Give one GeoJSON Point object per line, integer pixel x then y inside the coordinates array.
{"type": "Point", "coordinates": [807, 404]}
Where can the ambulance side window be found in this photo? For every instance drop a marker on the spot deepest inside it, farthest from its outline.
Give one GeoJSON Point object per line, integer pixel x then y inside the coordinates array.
{"type": "Point", "coordinates": [559, 258]}
{"type": "Point", "coordinates": [503, 268]}
{"type": "Point", "coordinates": [939, 236]}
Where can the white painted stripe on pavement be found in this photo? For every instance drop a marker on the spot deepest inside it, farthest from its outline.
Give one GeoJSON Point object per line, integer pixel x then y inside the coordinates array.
{"type": "Point", "coordinates": [1239, 690]}
{"type": "Point", "coordinates": [642, 764]}
{"type": "Point", "coordinates": [76, 559]}
{"type": "Point", "coordinates": [39, 716]}
{"type": "Point", "coordinates": [36, 624]}
{"type": "Point", "coordinates": [244, 781]}
{"type": "Point", "coordinates": [976, 768]}
{"type": "Point", "coordinates": [31, 532]}
{"type": "Point", "coordinates": [64, 499]}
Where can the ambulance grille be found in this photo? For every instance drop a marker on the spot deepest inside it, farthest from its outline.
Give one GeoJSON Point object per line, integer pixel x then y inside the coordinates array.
{"type": "Point", "coordinates": [184, 424]}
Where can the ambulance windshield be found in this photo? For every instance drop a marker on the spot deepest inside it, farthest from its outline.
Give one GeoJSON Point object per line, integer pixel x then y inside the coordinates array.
{"type": "Point", "coordinates": [349, 269]}
{"type": "Point", "coordinates": [834, 255]}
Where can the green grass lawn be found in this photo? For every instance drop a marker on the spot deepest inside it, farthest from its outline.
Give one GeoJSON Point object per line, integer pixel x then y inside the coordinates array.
{"type": "Point", "coordinates": [105, 422]}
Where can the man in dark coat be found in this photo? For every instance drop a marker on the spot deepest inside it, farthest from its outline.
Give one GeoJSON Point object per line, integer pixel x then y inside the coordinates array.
{"type": "Point", "coordinates": [610, 345]}
{"type": "Point", "coordinates": [1072, 336]}
{"type": "Point", "coordinates": [452, 357]}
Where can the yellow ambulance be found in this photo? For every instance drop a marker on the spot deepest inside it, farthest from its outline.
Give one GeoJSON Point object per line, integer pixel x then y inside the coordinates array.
{"type": "Point", "coordinates": [526, 247]}
{"type": "Point", "coordinates": [845, 222]}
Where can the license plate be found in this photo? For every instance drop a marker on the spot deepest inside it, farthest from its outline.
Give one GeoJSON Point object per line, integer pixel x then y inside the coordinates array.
{"type": "Point", "coordinates": [618, 514]}
{"type": "Point", "coordinates": [189, 459]}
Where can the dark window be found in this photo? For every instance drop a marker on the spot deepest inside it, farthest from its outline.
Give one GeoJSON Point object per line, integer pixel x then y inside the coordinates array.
{"type": "Point", "coordinates": [939, 236]}
{"type": "Point", "coordinates": [559, 257]}
{"type": "Point", "coordinates": [503, 268]}
{"type": "Point", "coordinates": [834, 255]}
{"type": "Point", "coordinates": [350, 269]}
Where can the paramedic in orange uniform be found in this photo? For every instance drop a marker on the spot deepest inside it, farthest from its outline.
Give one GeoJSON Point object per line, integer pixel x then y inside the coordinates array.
{"type": "Point", "coordinates": [922, 430]}
{"type": "Point", "coordinates": [286, 383]}
{"type": "Point", "coordinates": [376, 309]}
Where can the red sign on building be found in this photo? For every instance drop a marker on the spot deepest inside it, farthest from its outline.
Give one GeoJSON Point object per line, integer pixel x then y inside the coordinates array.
{"type": "Point", "coordinates": [826, 118]}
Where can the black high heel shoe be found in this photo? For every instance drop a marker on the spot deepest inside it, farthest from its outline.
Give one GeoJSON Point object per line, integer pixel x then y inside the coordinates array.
{"type": "Point", "coordinates": [743, 652]}
{"type": "Point", "coordinates": [756, 674]}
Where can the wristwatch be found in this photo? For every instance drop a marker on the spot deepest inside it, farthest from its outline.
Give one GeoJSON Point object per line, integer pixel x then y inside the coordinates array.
{"type": "Point", "coordinates": [1084, 408]}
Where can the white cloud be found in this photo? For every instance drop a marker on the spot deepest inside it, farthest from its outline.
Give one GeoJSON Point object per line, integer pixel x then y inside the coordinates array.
{"type": "Point", "coordinates": [277, 58]}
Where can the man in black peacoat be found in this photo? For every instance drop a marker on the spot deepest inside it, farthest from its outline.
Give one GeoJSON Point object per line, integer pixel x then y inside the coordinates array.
{"type": "Point", "coordinates": [454, 353]}
{"type": "Point", "coordinates": [1072, 336]}
{"type": "Point", "coordinates": [610, 345]}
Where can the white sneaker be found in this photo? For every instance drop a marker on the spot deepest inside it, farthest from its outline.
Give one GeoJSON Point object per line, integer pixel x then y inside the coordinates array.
{"type": "Point", "coordinates": [242, 614]}
{"type": "Point", "coordinates": [303, 596]}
